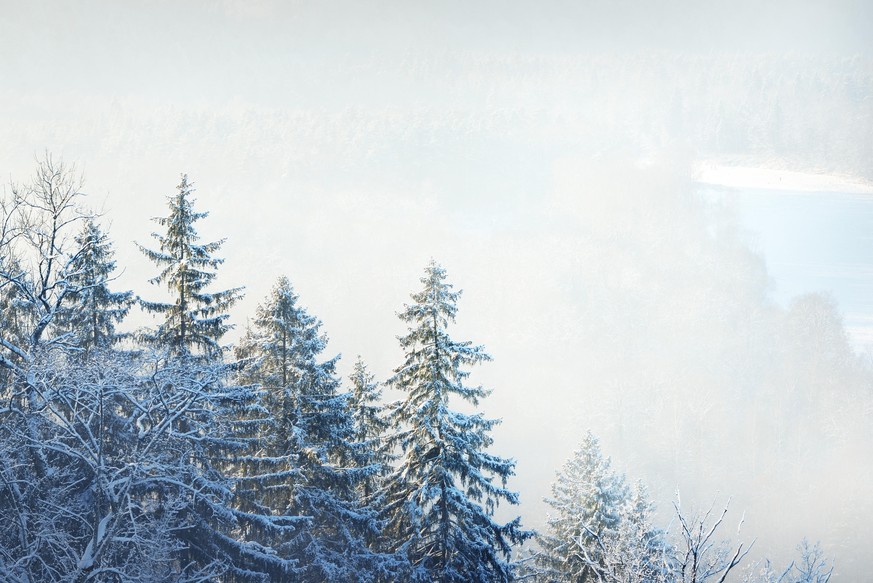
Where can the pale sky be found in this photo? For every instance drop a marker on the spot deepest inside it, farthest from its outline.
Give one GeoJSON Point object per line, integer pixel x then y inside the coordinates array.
{"type": "Point", "coordinates": [344, 144]}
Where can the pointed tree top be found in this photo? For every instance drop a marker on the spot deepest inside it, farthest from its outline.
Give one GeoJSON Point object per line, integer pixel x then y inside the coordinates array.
{"type": "Point", "coordinates": [195, 317]}
{"type": "Point", "coordinates": [436, 301]}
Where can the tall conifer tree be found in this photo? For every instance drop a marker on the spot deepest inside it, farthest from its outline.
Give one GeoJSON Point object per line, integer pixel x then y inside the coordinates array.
{"type": "Point", "coordinates": [441, 499]}
{"type": "Point", "coordinates": [587, 498]}
{"type": "Point", "coordinates": [601, 530]}
{"type": "Point", "coordinates": [195, 321]}
{"type": "Point", "coordinates": [92, 310]}
{"type": "Point", "coordinates": [308, 447]}
{"type": "Point", "coordinates": [370, 426]}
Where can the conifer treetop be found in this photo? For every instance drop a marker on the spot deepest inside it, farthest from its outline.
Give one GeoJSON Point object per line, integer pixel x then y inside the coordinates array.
{"type": "Point", "coordinates": [196, 319]}
{"type": "Point", "coordinates": [440, 500]}
{"type": "Point", "coordinates": [178, 245]}
{"type": "Point", "coordinates": [430, 349]}
{"type": "Point", "coordinates": [92, 310]}
{"type": "Point", "coordinates": [311, 436]}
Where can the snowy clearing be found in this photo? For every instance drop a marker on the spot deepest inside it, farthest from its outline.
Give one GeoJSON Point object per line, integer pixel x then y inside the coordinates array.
{"type": "Point", "coordinates": [750, 177]}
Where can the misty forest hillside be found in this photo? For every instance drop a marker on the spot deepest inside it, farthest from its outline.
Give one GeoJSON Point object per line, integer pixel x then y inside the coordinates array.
{"type": "Point", "coordinates": [265, 369]}
{"type": "Point", "coordinates": [161, 446]}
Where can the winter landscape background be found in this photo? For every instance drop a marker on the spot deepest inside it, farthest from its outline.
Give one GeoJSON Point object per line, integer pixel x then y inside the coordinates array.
{"type": "Point", "coordinates": [553, 157]}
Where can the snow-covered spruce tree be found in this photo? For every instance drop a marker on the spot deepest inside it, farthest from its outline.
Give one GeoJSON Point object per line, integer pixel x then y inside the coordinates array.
{"type": "Point", "coordinates": [210, 430]}
{"type": "Point", "coordinates": [441, 498]}
{"type": "Point", "coordinates": [189, 340]}
{"type": "Point", "coordinates": [637, 551]}
{"type": "Point", "coordinates": [92, 311]}
{"type": "Point", "coordinates": [600, 531]}
{"type": "Point", "coordinates": [196, 319]}
{"type": "Point", "coordinates": [370, 426]}
{"type": "Point", "coordinates": [308, 470]}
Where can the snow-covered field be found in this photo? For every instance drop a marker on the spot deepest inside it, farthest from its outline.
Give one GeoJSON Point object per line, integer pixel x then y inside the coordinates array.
{"type": "Point", "coordinates": [751, 177]}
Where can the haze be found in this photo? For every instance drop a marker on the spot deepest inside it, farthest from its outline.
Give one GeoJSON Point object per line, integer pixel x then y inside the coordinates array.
{"type": "Point", "coordinates": [548, 155]}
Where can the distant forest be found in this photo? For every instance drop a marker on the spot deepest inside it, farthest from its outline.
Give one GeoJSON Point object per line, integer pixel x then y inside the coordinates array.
{"type": "Point", "coordinates": [805, 113]}
{"type": "Point", "coordinates": [798, 111]}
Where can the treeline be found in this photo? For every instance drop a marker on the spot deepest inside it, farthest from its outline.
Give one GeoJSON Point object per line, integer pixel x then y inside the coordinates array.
{"type": "Point", "coordinates": [164, 455]}
{"type": "Point", "coordinates": [805, 113]}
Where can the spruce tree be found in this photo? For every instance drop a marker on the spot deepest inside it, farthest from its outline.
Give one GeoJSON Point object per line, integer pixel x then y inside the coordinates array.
{"type": "Point", "coordinates": [600, 530]}
{"type": "Point", "coordinates": [92, 310]}
{"type": "Point", "coordinates": [641, 551]}
{"type": "Point", "coordinates": [441, 499]}
{"type": "Point", "coordinates": [587, 498]}
{"type": "Point", "coordinates": [310, 463]}
{"type": "Point", "coordinates": [196, 320]}
{"type": "Point", "coordinates": [370, 426]}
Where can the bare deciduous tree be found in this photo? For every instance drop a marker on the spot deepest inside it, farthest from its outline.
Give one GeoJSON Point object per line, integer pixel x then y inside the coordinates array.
{"type": "Point", "coordinates": [699, 555]}
{"type": "Point", "coordinates": [37, 252]}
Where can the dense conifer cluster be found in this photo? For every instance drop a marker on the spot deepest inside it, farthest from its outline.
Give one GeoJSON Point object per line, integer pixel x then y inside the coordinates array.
{"type": "Point", "coordinates": [165, 455]}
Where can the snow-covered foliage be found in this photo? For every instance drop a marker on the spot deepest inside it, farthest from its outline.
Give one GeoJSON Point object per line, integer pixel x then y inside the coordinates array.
{"type": "Point", "coordinates": [309, 448]}
{"type": "Point", "coordinates": [601, 530]}
{"type": "Point", "coordinates": [700, 555]}
{"type": "Point", "coordinates": [37, 257]}
{"type": "Point", "coordinates": [170, 462]}
{"type": "Point", "coordinates": [637, 551]}
{"type": "Point", "coordinates": [367, 411]}
{"type": "Point", "coordinates": [370, 428]}
{"type": "Point", "coordinates": [93, 310]}
{"type": "Point", "coordinates": [441, 498]}
{"type": "Point", "coordinates": [196, 319]}
{"type": "Point", "coordinates": [106, 472]}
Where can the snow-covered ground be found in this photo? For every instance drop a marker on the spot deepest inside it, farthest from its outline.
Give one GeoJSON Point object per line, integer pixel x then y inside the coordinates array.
{"type": "Point", "coordinates": [750, 177]}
